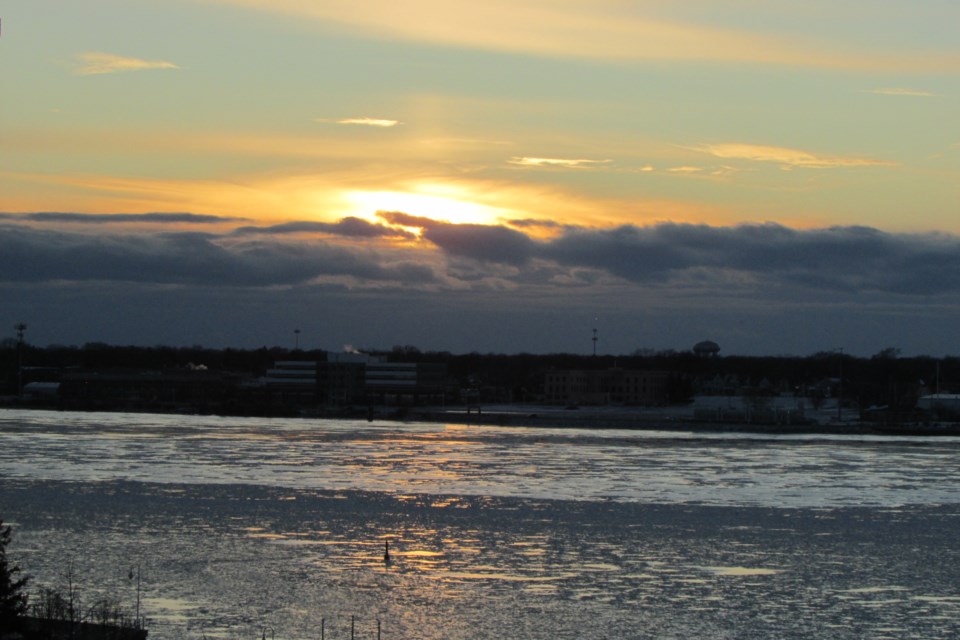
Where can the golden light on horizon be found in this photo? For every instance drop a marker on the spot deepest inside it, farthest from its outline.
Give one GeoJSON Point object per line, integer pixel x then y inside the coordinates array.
{"type": "Point", "coordinates": [438, 202]}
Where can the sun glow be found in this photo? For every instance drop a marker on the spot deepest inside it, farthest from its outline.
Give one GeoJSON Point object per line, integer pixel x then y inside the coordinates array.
{"type": "Point", "coordinates": [446, 203]}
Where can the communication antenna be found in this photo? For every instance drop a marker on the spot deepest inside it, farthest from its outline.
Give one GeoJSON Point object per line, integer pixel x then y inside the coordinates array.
{"type": "Point", "coordinates": [594, 336]}
{"type": "Point", "coordinates": [20, 328]}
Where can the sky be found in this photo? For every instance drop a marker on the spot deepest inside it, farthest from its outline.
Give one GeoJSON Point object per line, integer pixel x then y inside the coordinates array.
{"type": "Point", "coordinates": [778, 177]}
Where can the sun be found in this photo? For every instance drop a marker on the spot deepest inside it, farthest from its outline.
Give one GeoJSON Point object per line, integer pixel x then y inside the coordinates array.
{"type": "Point", "coordinates": [438, 202]}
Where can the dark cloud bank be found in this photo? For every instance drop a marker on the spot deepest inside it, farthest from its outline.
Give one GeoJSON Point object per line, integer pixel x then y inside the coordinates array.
{"type": "Point", "coordinates": [754, 288]}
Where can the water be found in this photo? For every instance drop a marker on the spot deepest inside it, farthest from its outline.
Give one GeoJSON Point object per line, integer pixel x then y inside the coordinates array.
{"type": "Point", "coordinates": [246, 527]}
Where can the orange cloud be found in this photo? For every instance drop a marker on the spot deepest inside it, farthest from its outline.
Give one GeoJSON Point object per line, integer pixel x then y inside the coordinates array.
{"type": "Point", "coordinates": [787, 157]}
{"type": "Point", "coordinates": [369, 122]}
{"type": "Point", "coordinates": [564, 163]}
{"type": "Point", "coordinates": [902, 91]}
{"type": "Point", "coordinates": [602, 29]}
{"type": "Point", "coordinates": [96, 63]}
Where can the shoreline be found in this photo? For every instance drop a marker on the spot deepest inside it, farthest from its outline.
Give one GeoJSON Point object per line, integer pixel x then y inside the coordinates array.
{"type": "Point", "coordinates": [642, 420]}
{"type": "Point", "coordinates": [679, 419]}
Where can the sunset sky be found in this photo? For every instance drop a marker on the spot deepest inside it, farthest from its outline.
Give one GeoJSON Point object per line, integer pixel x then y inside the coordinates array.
{"type": "Point", "coordinates": [779, 177]}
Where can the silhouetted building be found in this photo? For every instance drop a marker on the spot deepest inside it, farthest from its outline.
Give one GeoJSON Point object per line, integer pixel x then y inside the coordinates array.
{"type": "Point", "coordinates": [353, 378]}
{"type": "Point", "coordinates": [292, 382]}
{"type": "Point", "coordinates": [42, 392]}
{"type": "Point", "coordinates": [341, 380]}
{"type": "Point", "coordinates": [941, 404]}
{"type": "Point", "coordinates": [147, 390]}
{"type": "Point", "coordinates": [405, 382]}
{"type": "Point", "coordinates": [609, 386]}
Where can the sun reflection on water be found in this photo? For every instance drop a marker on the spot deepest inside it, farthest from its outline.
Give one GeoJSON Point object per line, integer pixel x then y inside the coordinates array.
{"type": "Point", "coordinates": [493, 533]}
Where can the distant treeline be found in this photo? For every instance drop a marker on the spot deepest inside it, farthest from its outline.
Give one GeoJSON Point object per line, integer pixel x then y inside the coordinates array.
{"type": "Point", "coordinates": [885, 378]}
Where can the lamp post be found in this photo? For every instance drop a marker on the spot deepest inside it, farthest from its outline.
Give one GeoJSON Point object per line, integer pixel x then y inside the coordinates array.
{"type": "Point", "coordinates": [20, 327]}
{"type": "Point", "coordinates": [130, 577]}
{"type": "Point", "coordinates": [840, 388]}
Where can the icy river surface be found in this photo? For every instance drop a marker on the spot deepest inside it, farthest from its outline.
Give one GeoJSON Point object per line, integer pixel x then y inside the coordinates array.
{"type": "Point", "coordinates": [251, 528]}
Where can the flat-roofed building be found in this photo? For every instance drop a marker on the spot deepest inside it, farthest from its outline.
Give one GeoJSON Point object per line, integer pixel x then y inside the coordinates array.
{"type": "Point", "coordinates": [606, 386]}
{"type": "Point", "coordinates": [293, 382]}
{"type": "Point", "coordinates": [341, 380]}
{"type": "Point", "coordinates": [142, 389]}
{"type": "Point", "coordinates": [354, 378]}
{"type": "Point", "coordinates": [402, 382]}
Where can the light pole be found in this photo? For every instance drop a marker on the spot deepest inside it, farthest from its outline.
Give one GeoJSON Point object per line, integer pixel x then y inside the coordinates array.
{"type": "Point", "coordinates": [296, 334]}
{"type": "Point", "coordinates": [20, 327]}
{"type": "Point", "coordinates": [840, 388]}
{"type": "Point", "coordinates": [130, 577]}
{"type": "Point", "coordinates": [594, 336]}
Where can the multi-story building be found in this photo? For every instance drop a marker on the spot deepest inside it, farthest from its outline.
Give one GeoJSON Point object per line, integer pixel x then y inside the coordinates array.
{"type": "Point", "coordinates": [354, 378]}
{"type": "Point", "coordinates": [341, 379]}
{"type": "Point", "coordinates": [606, 386]}
{"type": "Point", "coordinates": [147, 390]}
{"type": "Point", "coordinates": [405, 382]}
{"type": "Point", "coordinates": [292, 382]}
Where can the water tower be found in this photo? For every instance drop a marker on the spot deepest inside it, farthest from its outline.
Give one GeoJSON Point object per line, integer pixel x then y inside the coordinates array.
{"type": "Point", "coordinates": [706, 349]}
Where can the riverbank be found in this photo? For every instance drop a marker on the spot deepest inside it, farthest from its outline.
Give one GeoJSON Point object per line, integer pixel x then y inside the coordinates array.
{"type": "Point", "coordinates": [715, 414]}
{"type": "Point", "coordinates": [591, 418]}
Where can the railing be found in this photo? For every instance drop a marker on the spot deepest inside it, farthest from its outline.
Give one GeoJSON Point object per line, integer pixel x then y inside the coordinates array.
{"type": "Point", "coordinates": [323, 630]}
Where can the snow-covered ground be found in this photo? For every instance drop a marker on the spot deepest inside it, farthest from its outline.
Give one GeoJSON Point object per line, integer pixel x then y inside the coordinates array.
{"type": "Point", "coordinates": [825, 414]}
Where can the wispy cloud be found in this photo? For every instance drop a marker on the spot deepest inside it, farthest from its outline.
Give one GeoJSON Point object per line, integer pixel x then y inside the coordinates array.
{"type": "Point", "coordinates": [601, 29]}
{"type": "Point", "coordinates": [564, 163]}
{"type": "Point", "coordinates": [466, 143]}
{"type": "Point", "coordinates": [901, 91]}
{"type": "Point", "coordinates": [95, 63]}
{"type": "Point", "coordinates": [368, 122]}
{"type": "Point", "coordinates": [787, 157]}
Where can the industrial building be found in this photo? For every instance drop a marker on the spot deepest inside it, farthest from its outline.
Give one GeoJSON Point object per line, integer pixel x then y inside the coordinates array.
{"type": "Point", "coordinates": [606, 386]}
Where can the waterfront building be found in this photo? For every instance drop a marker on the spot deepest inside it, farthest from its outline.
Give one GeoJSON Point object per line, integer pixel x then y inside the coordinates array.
{"type": "Point", "coordinates": [405, 382]}
{"type": "Point", "coordinates": [147, 389]}
{"type": "Point", "coordinates": [345, 379]}
{"type": "Point", "coordinates": [606, 386]}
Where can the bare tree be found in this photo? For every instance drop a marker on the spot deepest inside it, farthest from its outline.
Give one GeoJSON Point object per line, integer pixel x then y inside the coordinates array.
{"type": "Point", "coordinates": [13, 599]}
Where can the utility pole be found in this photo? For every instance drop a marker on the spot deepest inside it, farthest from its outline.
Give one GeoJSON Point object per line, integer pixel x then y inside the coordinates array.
{"type": "Point", "coordinates": [130, 576]}
{"type": "Point", "coordinates": [840, 389]}
{"type": "Point", "coordinates": [21, 328]}
{"type": "Point", "coordinates": [594, 336]}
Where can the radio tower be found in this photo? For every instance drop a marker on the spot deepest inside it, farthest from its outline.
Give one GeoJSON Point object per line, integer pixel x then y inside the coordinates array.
{"type": "Point", "coordinates": [594, 336]}
{"type": "Point", "coordinates": [20, 327]}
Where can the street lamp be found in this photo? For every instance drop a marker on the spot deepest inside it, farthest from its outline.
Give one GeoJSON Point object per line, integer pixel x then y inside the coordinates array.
{"type": "Point", "coordinates": [20, 328]}
{"type": "Point", "coordinates": [130, 577]}
{"type": "Point", "coordinates": [840, 388]}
